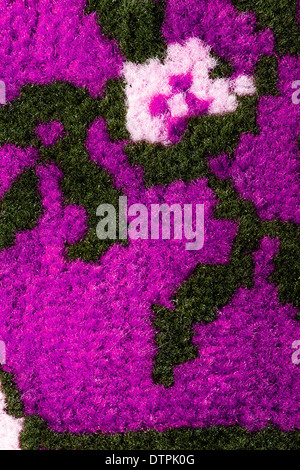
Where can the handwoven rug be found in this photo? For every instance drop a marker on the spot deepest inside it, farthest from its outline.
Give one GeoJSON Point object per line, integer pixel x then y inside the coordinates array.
{"type": "Point", "coordinates": [138, 342]}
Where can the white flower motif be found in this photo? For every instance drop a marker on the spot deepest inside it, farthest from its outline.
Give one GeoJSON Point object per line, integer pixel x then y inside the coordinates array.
{"type": "Point", "coordinates": [161, 96]}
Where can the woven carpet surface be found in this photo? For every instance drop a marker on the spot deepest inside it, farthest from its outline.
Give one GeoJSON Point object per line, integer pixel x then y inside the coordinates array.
{"type": "Point", "coordinates": [137, 342]}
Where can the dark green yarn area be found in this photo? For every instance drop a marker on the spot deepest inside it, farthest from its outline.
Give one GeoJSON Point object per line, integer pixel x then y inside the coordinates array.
{"type": "Point", "coordinates": [278, 15]}
{"type": "Point", "coordinates": [134, 24]}
{"type": "Point", "coordinates": [20, 208]}
{"type": "Point", "coordinates": [266, 76]}
{"type": "Point", "coordinates": [84, 183]}
{"type": "Point", "coordinates": [287, 266]}
{"type": "Point", "coordinates": [36, 436]}
{"type": "Point", "coordinates": [113, 110]}
{"type": "Point", "coordinates": [14, 405]}
{"type": "Point", "coordinates": [223, 68]}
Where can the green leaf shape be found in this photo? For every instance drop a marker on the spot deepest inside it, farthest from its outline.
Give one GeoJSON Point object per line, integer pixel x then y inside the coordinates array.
{"type": "Point", "coordinates": [134, 24]}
